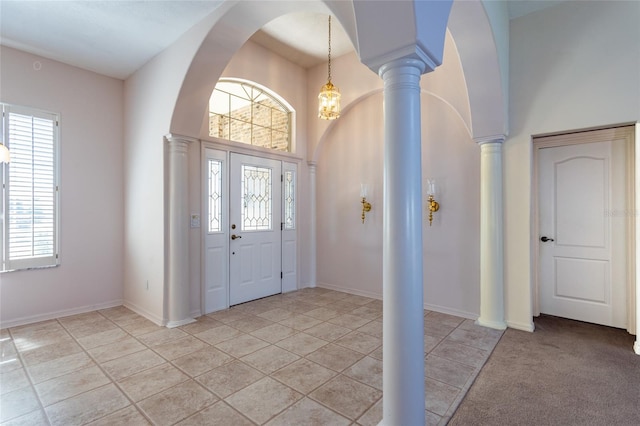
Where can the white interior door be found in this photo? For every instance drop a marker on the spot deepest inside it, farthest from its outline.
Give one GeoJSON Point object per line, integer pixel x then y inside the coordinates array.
{"type": "Point", "coordinates": [254, 228]}
{"type": "Point", "coordinates": [582, 247]}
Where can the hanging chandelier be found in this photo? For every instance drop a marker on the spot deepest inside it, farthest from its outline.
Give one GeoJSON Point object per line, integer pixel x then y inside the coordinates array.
{"type": "Point", "coordinates": [329, 97]}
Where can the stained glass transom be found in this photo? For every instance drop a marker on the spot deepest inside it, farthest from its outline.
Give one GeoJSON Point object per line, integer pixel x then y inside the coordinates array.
{"type": "Point", "coordinates": [256, 198]}
{"type": "Point", "coordinates": [289, 199]}
{"type": "Point", "coordinates": [215, 196]}
{"type": "Point", "coordinates": [242, 112]}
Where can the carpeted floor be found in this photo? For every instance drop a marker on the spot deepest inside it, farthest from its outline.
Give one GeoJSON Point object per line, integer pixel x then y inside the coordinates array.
{"type": "Point", "coordinates": [565, 373]}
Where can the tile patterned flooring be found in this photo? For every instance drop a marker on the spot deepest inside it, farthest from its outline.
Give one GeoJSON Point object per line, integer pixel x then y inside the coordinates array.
{"type": "Point", "coordinates": [311, 357]}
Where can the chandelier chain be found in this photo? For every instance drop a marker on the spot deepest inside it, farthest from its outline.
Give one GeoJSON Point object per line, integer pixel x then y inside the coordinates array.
{"type": "Point", "coordinates": [329, 73]}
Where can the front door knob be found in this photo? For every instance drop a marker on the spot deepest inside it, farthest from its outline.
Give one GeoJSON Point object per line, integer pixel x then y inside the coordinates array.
{"type": "Point", "coordinates": [234, 236]}
{"type": "Point", "coordinates": [545, 239]}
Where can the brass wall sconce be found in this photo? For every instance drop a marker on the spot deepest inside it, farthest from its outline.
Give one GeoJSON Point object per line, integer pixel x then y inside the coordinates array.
{"type": "Point", "coordinates": [366, 206]}
{"type": "Point", "coordinates": [5, 157]}
{"type": "Point", "coordinates": [432, 204]}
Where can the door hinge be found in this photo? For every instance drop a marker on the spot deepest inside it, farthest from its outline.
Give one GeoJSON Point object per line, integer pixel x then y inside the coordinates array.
{"type": "Point", "coordinates": [281, 275]}
{"type": "Point", "coordinates": [281, 226]}
{"type": "Point", "coordinates": [281, 178]}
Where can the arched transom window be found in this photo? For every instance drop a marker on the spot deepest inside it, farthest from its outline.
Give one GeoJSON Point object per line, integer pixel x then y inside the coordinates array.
{"type": "Point", "coordinates": [241, 111]}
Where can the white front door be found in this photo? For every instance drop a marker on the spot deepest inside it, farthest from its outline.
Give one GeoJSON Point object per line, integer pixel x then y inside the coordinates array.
{"type": "Point", "coordinates": [582, 239]}
{"type": "Point", "coordinates": [254, 228]}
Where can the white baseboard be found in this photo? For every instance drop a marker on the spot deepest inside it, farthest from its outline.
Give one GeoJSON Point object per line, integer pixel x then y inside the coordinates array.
{"type": "Point", "coordinates": [148, 315]}
{"type": "Point", "coordinates": [59, 314]}
{"type": "Point", "coordinates": [451, 311]}
{"type": "Point", "coordinates": [530, 327]}
{"type": "Point", "coordinates": [356, 292]}
{"type": "Point", "coordinates": [174, 324]}
{"type": "Point", "coordinates": [378, 296]}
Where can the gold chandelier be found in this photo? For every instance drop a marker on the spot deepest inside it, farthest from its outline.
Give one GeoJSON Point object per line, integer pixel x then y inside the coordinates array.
{"type": "Point", "coordinates": [329, 97]}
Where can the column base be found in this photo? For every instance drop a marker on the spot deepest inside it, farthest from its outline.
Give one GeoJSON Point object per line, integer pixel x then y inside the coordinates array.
{"type": "Point", "coordinates": [636, 347]}
{"type": "Point", "coordinates": [174, 324]}
{"type": "Point", "coordinates": [497, 325]}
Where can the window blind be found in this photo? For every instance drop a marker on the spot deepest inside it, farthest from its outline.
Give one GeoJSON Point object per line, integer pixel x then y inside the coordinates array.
{"type": "Point", "coordinates": [30, 201]}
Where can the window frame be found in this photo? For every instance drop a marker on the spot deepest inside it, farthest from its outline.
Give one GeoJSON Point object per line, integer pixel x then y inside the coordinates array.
{"type": "Point", "coordinates": [34, 261]}
{"type": "Point", "coordinates": [245, 86]}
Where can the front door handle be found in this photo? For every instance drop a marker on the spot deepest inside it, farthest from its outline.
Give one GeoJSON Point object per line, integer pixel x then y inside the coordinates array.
{"type": "Point", "coordinates": [234, 236]}
{"type": "Point", "coordinates": [545, 239]}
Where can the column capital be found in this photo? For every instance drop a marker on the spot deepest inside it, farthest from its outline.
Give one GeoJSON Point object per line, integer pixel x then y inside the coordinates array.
{"type": "Point", "coordinates": [312, 164]}
{"type": "Point", "coordinates": [174, 138]}
{"type": "Point", "coordinates": [405, 63]}
{"type": "Point", "coordinates": [421, 37]}
{"type": "Point", "coordinates": [490, 139]}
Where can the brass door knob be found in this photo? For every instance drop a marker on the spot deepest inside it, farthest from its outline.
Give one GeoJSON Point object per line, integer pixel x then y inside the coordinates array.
{"type": "Point", "coordinates": [234, 236]}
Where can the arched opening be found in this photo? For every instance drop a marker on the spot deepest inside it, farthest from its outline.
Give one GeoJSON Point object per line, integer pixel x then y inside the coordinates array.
{"type": "Point", "coordinates": [216, 45]}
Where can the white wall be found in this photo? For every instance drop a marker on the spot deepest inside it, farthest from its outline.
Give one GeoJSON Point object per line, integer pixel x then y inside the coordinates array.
{"type": "Point", "coordinates": [144, 174]}
{"type": "Point", "coordinates": [91, 189]}
{"type": "Point", "coordinates": [149, 99]}
{"type": "Point", "coordinates": [349, 252]}
{"type": "Point", "coordinates": [573, 66]}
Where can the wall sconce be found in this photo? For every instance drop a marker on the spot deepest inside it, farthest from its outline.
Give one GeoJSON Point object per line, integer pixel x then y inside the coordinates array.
{"type": "Point", "coordinates": [5, 157]}
{"type": "Point", "coordinates": [366, 206]}
{"type": "Point", "coordinates": [432, 204]}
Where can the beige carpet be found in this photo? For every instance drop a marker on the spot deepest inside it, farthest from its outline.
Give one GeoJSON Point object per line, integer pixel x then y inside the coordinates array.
{"type": "Point", "coordinates": [565, 373]}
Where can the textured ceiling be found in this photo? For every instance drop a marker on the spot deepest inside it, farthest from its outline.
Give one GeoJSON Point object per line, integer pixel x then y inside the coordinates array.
{"type": "Point", "coordinates": [109, 37]}
{"type": "Point", "coordinates": [115, 38]}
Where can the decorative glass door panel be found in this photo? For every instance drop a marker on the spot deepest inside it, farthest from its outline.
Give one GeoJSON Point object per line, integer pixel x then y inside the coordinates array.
{"type": "Point", "coordinates": [215, 195]}
{"type": "Point", "coordinates": [290, 199]}
{"type": "Point", "coordinates": [257, 203]}
{"type": "Point", "coordinates": [216, 240]}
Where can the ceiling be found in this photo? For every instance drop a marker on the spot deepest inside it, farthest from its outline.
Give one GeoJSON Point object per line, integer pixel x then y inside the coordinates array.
{"type": "Point", "coordinates": [115, 38]}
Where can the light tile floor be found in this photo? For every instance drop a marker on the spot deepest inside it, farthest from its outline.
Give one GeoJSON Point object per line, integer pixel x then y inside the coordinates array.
{"type": "Point", "coordinates": [311, 357]}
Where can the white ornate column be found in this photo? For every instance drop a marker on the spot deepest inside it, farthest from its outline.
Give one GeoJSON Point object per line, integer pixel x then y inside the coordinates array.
{"type": "Point", "coordinates": [403, 328]}
{"type": "Point", "coordinates": [178, 232]}
{"type": "Point", "coordinates": [312, 205]}
{"type": "Point", "coordinates": [491, 234]}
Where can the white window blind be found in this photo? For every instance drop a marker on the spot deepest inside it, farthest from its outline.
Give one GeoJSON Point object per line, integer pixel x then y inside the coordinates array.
{"type": "Point", "coordinates": [30, 199]}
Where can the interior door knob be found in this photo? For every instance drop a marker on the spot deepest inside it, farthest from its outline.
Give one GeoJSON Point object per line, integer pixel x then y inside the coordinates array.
{"type": "Point", "coordinates": [545, 239]}
{"type": "Point", "coordinates": [234, 236]}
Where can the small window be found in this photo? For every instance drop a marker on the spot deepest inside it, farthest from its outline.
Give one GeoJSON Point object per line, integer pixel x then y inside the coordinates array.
{"type": "Point", "coordinates": [29, 214]}
{"type": "Point", "coordinates": [289, 199]}
{"type": "Point", "coordinates": [243, 112]}
{"type": "Point", "coordinates": [215, 196]}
